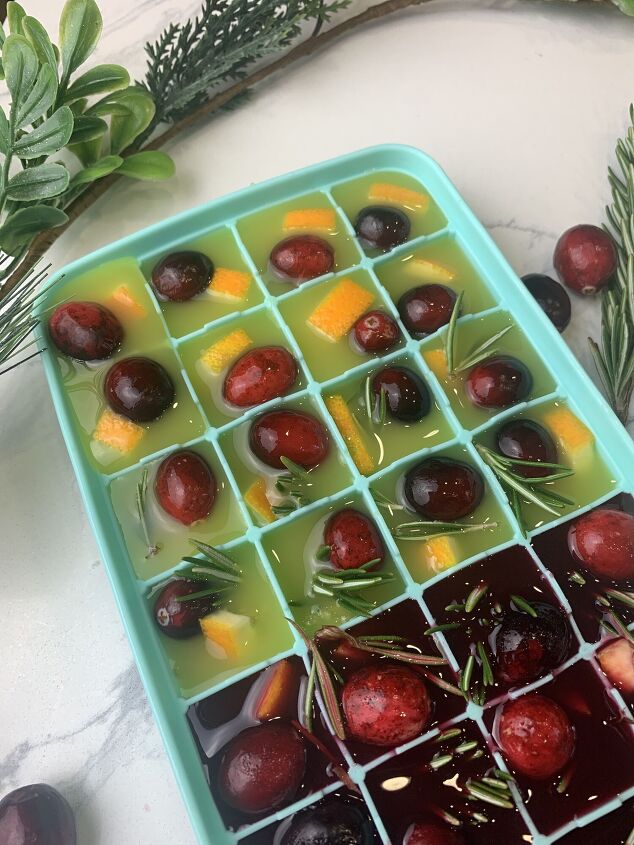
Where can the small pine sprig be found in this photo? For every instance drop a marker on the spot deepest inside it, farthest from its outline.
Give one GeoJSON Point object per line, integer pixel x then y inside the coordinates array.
{"type": "Point", "coordinates": [478, 353]}
{"type": "Point", "coordinates": [294, 485]}
{"type": "Point", "coordinates": [345, 585]}
{"type": "Point", "coordinates": [17, 319]}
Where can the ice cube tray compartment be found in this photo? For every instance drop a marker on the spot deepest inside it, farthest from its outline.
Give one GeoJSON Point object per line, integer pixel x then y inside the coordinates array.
{"type": "Point", "coordinates": [233, 226]}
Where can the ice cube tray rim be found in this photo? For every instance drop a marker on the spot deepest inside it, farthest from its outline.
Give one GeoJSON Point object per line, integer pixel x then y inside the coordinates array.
{"type": "Point", "coordinates": [503, 284]}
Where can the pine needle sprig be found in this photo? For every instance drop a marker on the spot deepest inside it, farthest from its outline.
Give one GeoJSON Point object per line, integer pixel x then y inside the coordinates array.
{"type": "Point", "coordinates": [17, 319]}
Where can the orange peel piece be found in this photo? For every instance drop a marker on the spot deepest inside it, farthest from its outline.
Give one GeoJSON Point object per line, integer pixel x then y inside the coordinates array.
{"type": "Point", "coordinates": [258, 501]}
{"type": "Point", "coordinates": [346, 423]}
{"type": "Point", "coordinates": [232, 284]}
{"type": "Point", "coordinates": [573, 438]}
{"type": "Point", "coordinates": [279, 680]}
{"type": "Point", "coordinates": [338, 311]}
{"type": "Point", "coordinates": [430, 271]}
{"type": "Point", "coordinates": [310, 218]}
{"type": "Point", "coordinates": [226, 633]}
{"type": "Point", "coordinates": [122, 296]}
{"type": "Point", "coordinates": [223, 351]}
{"type": "Point", "coordinates": [436, 360]}
{"type": "Point", "coordinates": [117, 432]}
{"type": "Point", "coordinates": [441, 553]}
{"type": "Point", "coordinates": [387, 192]}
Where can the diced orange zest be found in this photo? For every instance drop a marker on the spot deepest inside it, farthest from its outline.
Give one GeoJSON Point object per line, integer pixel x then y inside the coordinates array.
{"type": "Point", "coordinates": [233, 284]}
{"type": "Point", "coordinates": [387, 192]}
{"type": "Point", "coordinates": [337, 312]}
{"type": "Point", "coordinates": [280, 680]}
{"type": "Point", "coordinates": [441, 553]}
{"type": "Point", "coordinates": [118, 432]}
{"type": "Point", "coordinates": [430, 271]}
{"type": "Point", "coordinates": [349, 429]}
{"type": "Point", "coordinates": [572, 436]}
{"type": "Point", "coordinates": [257, 500]}
{"type": "Point", "coordinates": [223, 351]}
{"type": "Point", "coordinates": [310, 218]}
{"type": "Point", "coordinates": [437, 362]}
{"type": "Point", "coordinates": [122, 296]}
{"type": "Point", "coordinates": [226, 633]}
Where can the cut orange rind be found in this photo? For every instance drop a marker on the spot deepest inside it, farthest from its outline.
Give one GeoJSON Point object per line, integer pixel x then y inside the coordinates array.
{"type": "Point", "coordinates": [347, 425]}
{"type": "Point", "coordinates": [225, 633]}
{"type": "Point", "coordinates": [338, 311]}
{"type": "Point", "coordinates": [436, 360]}
{"type": "Point", "coordinates": [440, 553]}
{"type": "Point", "coordinates": [117, 432]}
{"type": "Point", "coordinates": [387, 192]}
{"type": "Point", "coordinates": [258, 501]}
{"type": "Point", "coordinates": [278, 681]}
{"type": "Point", "coordinates": [430, 271]}
{"type": "Point", "coordinates": [231, 284]}
{"type": "Point", "coordinates": [121, 296]}
{"type": "Point", "coordinates": [223, 351]}
{"type": "Point", "coordinates": [575, 441]}
{"type": "Point", "coordinates": [323, 219]}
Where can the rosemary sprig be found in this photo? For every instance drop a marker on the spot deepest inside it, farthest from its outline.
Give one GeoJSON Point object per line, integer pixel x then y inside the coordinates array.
{"type": "Point", "coordinates": [577, 578]}
{"type": "Point", "coordinates": [499, 796]}
{"type": "Point", "coordinates": [340, 771]}
{"type": "Point", "coordinates": [294, 485]}
{"type": "Point", "coordinates": [216, 571]}
{"type": "Point", "coordinates": [475, 596]}
{"type": "Point", "coordinates": [384, 646]}
{"type": "Point", "coordinates": [344, 584]}
{"type": "Point", "coordinates": [450, 341]}
{"type": "Point", "coordinates": [521, 604]}
{"type": "Point", "coordinates": [479, 353]}
{"type": "Point", "coordinates": [384, 502]}
{"type": "Point", "coordinates": [428, 530]}
{"type": "Point", "coordinates": [439, 629]}
{"type": "Point", "coordinates": [621, 596]}
{"type": "Point", "coordinates": [141, 491]}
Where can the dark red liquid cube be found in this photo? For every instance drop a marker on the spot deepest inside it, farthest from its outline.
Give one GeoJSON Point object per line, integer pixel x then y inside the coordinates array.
{"type": "Point", "coordinates": [528, 647]}
{"type": "Point", "coordinates": [331, 822]}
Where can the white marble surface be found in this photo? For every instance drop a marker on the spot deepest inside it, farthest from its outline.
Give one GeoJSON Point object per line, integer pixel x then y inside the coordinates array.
{"type": "Point", "coordinates": [521, 103]}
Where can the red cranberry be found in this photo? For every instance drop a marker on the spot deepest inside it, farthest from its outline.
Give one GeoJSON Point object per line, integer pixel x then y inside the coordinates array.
{"type": "Point", "coordinates": [525, 440]}
{"type": "Point", "coordinates": [260, 375]}
{"type": "Point", "coordinates": [376, 331]}
{"type": "Point", "coordinates": [551, 298]}
{"type": "Point", "coordinates": [380, 227]}
{"type": "Point", "coordinates": [353, 539]}
{"type": "Point", "coordinates": [139, 388]}
{"type": "Point", "coordinates": [182, 275]}
{"type": "Point", "coordinates": [331, 822]}
{"type": "Point", "coordinates": [262, 768]}
{"type": "Point", "coordinates": [528, 647]}
{"type": "Point", "coordinates": [85, 330]}
{"type": "Point", "coordinates": [302, 257]}
{"type": "Point", "coordinates": [433, 833]}
{"type": "Point", "coordinates": [585, 258]}
{"type": "Point", "coordinates": [179, 619]}
{"type": "Point", "coordinates": [385, 705]}
{"type": "Point", "coordinates": [603, 540]}
{"type": "Point", "coordinates": [426, 308]}
{"type": "Point", "coordinates": [36, 815]}
{"type": "Point", "coordinates": [185, 486]}
{"type": "Point", "coordinates": [498, 382]}
{"type": "Point", "coordinates": [536, 736]}
{"type": "Point", "coordinates": [444, 489]}
{"type": "Point", "coordinates": [295, 435]}
{"type": "Point", "coordinates": [406, 393]}
{"type": "Point", "coordinates": [617, 661]}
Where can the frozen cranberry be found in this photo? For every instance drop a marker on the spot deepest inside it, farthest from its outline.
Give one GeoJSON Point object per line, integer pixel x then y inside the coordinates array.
{"type": "Point", "coordinates": [385, 705]}
{"type": "Point", "coordinates": [433, 833]}
{"type": "Point", "coordinates": [407, 395]}
{"type": "Point", "coordinates": [295, 435]}
{"type": "Point", "coordinates": [551, 298]}
{"type": "Point", "coordinates": [536, 736]}
{"type": "Point", "coordinates": [525, 440]}
{"type": "Point", "coordinates": [262, 768]}
{"type": "Point", "coordinates": [260, 375]}
{"type": "Point", "coordinates": [441, 488]}
{"type": "Point", "coordinates": [380, 227]}
{"type": "Point", "coordinates": [376, 331]}
{"type": "Point", "coordinates": [353, 539]}
{"type": "Point", "coordinates": [182, 275]}
{"type": "Point", "coordinates": [185, 486]}
{"type": "Point", "coordinates": [498, 382]}
{"type": "Point", "coordinates": [179, 619]}
{"type": "Point", "coordinates": [585, 258]}
{"type": "Point", "coordinates": [331, 822]}
{"type": "Point", "coordinates": [426, 308]}
{"type": "Point", "coordinates": [302, 257]}
{"type": "Point", "coordinates": [617, 661]}
{"type": "Point", "coordinates": [36, 815]}
{"type": "Point", "coordinates": [603, 540]}
{"type": "Point", "coordinates": [528, 647]}
{"type": "Point", "coordinates": [85, 330]}
{"type": "Point", "coordinates": [139, 388]}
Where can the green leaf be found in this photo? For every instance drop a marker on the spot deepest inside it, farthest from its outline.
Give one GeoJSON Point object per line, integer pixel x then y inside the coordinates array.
{"type": "Point", "coordinates": [124, 129]}
{"type": "Point", "coordinates": [88, 152]}
{"type": "Point", "coordinates": [626, 6]}
{"type": "Point", "coordinates": [40, 99]}
{"type": "Point", "coordinates": [37, 183]}
{"type": "Point", "coordinates": [79, 106]}
{"type": "Point", "coordinates": [104, 167]}
{"type": "Point", "coordinates": [24, 224]}
{"type": "Point", "coordinates": [48, 137]}
{"type": "Point", "coordinates": [38, 38]}
{"type": "Point", "coordinates": [3, 34]}
{"type": "Point", "coordinates": [108, 107]}
{"type": "Point", "coordinates": [88, 129]}
{"type": "Point", "coordinates": [15, 15]}
{"type": "Point", "coordinates": [5, 133]}
{"type": "Point", "coordinates": [98, 80]}
{"type": "Point", "coordinates": [80, 26]}
{"type": "Point", "coordinates": [148, 165]}
{"type": "Point", "coordinates": [20, 68]}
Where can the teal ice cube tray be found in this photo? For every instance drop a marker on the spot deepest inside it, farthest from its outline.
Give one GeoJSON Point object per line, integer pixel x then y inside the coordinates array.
{"type": "Point", "coordinates": [238, 223]}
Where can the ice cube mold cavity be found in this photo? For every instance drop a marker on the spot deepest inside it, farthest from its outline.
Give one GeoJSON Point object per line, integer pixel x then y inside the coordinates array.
{"type": "Point", "coordinates": [238, 233]}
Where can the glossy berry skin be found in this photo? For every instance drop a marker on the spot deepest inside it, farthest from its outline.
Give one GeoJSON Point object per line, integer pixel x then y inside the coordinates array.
{"type": "Point", "coordinates": [259, 375]}
{"type": "Point", "coordinates": [331, 822]}
{"type": "Point", "coordinates": [407, 395]}
{"type": "Point", "coordinates": [353, 539]}
{"type": "Point", "coordinates": [498, 382]}
{"type": "Point", "coordinates": [295, 435]}
{"type": "Point", "coordinates": [525, 440]}
{"type": "Point", "coordinates": [536, 736]}
{"type": "Point", "coordinates": [551, 298]}
{"type": "Point", "coordinates": [302, 257]}
{"type": "Point", "coordinates": [262, 768]}
{"type": "Point", "coordinates": [376, 331]}
{"type": "Point", "coordinates": [381, 227]}
{"type": "Point", "coordinates": [444, 489]}
{"type": "Point", "coordinates": [528, 647]}
{"type": "Point", "coordinates": [36, 815]}
{"type": "Point", "coordinates": [426, 308]}
{"type": "Point", "coordinates": [177, 619]}
{"type": "Point", "coordinates": [585, 258]}
{"type": "Point", "coordinates": [185, 487]}
{"type": "Point", "coordinates": [603, 541]}
{"type": "Point", "coordinates": [433, 833]}
{"type": "Point", "coordinates": [86, 331]}
{"type": "Point", "coordinates": [139, 388]}
{"type": "Point", "coordinates": [182, 275]}
{"type": "Point", "coordinates": [385, 705]}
